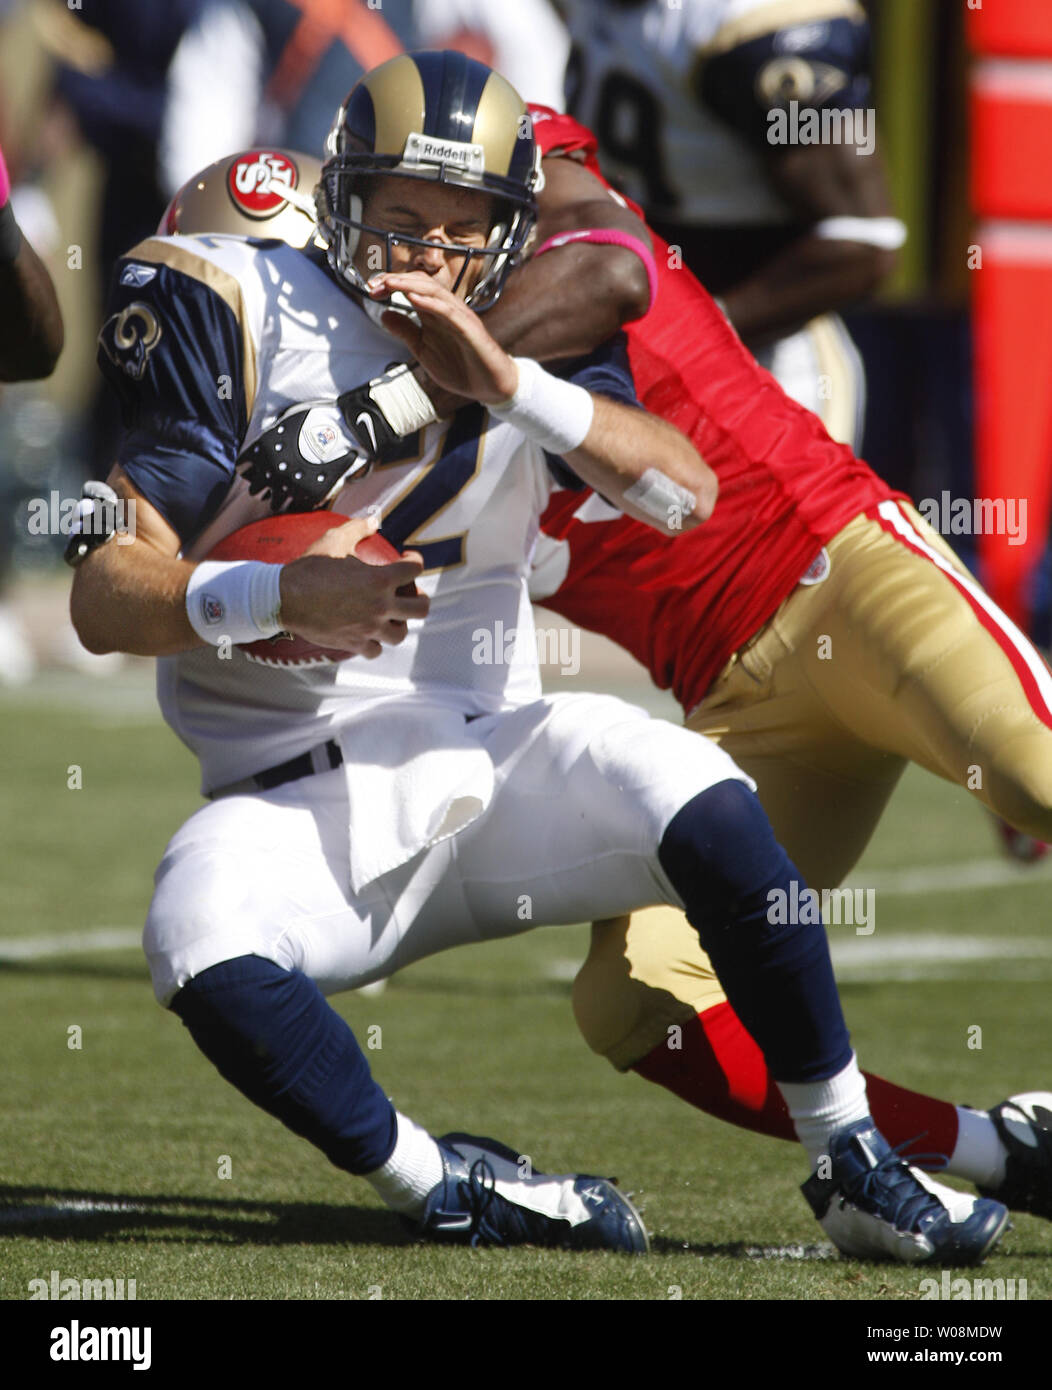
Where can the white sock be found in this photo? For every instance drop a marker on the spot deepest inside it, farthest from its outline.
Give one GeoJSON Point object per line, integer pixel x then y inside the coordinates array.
{"type": "Point", "coordinates": [414, 1168]}
{"type": "Point", "coordinates": [979, 1155]}
{"type": "Point", "coordinates": [817, 1108]}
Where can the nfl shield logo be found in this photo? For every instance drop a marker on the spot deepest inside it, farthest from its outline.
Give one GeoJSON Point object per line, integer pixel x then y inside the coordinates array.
{"type": "Point", "coordinates": [212, 609]}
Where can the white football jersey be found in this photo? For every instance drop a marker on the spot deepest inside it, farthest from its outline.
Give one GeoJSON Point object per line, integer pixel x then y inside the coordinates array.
{"type": "Point", "coordinates": [635, 79]}
{"type": "Point", "coordinates": [209, 340]}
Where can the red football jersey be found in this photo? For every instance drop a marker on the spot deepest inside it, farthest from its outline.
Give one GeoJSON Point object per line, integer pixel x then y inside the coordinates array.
{"type": "Point", "coordinates": [683, 605]}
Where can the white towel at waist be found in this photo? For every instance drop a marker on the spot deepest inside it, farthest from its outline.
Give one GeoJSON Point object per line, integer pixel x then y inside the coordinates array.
{"type": "Point", "coordinates": [415, 776]}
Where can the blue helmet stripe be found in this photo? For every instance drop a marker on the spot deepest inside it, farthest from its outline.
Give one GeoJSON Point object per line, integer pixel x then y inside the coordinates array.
{"type": "Point", "coordinates": [453, 87]}
{"type": "Point", "coordinates": [361, 115]}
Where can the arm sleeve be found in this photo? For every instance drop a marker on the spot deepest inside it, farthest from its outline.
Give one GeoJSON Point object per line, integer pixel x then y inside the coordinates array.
{"type": "Point", "coordinates": [171, 347]}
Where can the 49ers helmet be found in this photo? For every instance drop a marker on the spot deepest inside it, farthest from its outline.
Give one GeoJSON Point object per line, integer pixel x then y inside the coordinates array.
{"type": "Point", "coordinates": [259, 192]}
{"type": "Point", "coordinates": [438, 116]}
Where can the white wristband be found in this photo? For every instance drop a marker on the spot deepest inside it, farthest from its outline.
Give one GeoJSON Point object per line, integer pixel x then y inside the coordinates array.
{"type": "Point", "coordinates": [887, 233]}
{"type": "Point", "coordinates": [405, 404]}
{"type": "Point", "coordinates": [238, 600]}
{"type": "Point", "coordinates": [555, 414]}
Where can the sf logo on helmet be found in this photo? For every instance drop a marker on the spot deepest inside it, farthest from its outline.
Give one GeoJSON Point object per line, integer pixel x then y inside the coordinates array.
{"type": "Point", "coordinates": [259, 181]}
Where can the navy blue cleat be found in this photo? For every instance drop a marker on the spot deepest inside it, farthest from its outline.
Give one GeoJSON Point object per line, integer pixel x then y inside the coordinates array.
{"type": "Point", "coordinates": [489, 1195]}
{"type": "Point", "coordinates": [873, 1206]}
{"type": "Point", "coordinates": [1024, 1124]}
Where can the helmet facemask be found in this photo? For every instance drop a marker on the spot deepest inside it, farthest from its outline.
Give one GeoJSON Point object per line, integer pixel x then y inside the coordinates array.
{"type": "Point", "coordinates": [343, 191]}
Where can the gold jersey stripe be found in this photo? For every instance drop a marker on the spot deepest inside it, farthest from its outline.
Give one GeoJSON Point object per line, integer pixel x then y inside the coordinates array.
{"type": "Point", "coordinates": [179, 257]}
{"type": "Point", "coordinates": [779, 14]}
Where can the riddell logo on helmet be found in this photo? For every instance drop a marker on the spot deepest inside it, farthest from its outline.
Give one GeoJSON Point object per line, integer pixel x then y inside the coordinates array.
{"type": "Point", "coordinates": [259, 181]}
{"type": "Point", "coordinates": [426, 149]}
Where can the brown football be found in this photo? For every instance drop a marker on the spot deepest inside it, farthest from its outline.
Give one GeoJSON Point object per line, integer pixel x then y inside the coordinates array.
{"type": "Point", "coordinates": [277, 539]}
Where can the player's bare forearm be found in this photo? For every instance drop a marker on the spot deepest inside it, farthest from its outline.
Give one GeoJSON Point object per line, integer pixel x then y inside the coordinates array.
{"type": "Point", "coordinates": [636, 460]}
{"type": "Point", "coordinates": [816, 275]}
{"type": "Point", "coordinates": [565, 303]}
{"type": "Point", "coordinates": [32, 335]}
{"type": "Point", "coordinates": [131, 598]}
{"type": "Point", "coordinates": [129, 595]}
{"type": "Point", "coordinates": [810, 277]}
{"type": "Point", "coordinates": [643, 465]}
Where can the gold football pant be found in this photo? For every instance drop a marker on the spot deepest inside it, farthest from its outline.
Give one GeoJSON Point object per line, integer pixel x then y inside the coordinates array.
{"type": "Point", "coordinates": [897, 655]}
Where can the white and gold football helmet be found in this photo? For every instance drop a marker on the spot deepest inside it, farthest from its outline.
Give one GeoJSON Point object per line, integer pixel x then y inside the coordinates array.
{"type": "Point", "coordinates": [257, 192]}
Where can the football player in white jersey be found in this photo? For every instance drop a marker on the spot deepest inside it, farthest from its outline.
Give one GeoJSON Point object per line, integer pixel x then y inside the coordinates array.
{"type": "Point", "coordinates": [365, 814]}
{"type": "Point", "coordinates": [744, 129]}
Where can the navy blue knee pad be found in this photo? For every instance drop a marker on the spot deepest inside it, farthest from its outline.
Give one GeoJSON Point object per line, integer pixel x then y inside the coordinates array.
{"type": "Point", "coordinates": [271, 1034]}
{"type": "Point", "coordinates": [720, 855]}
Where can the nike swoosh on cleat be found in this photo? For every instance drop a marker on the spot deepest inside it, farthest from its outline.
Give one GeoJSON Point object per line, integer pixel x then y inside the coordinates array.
{"type": "Point", "coordinates": [453, 1223]}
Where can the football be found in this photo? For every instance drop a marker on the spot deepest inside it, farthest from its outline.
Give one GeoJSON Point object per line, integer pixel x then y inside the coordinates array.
{"type": "Point", "coordinates": [277, 539]}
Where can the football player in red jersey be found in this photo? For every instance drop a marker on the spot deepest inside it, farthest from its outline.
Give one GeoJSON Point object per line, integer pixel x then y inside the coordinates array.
{"type": "Point", "coordinates": [805, 543]}
{"type": "Point", "coordinates": [815, 626]}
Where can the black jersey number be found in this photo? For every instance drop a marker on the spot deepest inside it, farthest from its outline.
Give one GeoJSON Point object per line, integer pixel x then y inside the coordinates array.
{"type": "Point", "coordinates": [627, 121]}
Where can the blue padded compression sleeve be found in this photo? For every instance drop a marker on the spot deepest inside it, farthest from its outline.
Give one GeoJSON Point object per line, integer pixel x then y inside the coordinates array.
{"type": "Point", "coordinates": [721, 857]}
{"type": "Point", "coordinates": [270, 1033]}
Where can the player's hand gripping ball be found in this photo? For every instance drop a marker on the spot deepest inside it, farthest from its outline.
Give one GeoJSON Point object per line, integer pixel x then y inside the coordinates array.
{"type": "Point", "coordinates": [278, 539]}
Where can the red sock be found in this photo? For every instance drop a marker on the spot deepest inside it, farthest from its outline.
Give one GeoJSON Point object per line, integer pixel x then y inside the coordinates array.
{"type": "Point", "coordinates": [720, 1070]}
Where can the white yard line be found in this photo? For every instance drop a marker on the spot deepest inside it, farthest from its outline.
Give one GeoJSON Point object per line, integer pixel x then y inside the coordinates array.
{"type": "Point", "coordinates": [851, 950]}
{"type": "Point", "coordinates": [948, 878]}
{"type": "Point", "coordinates": [77, 1206]}
{"type": "Point", "coordinates": [71, 943]}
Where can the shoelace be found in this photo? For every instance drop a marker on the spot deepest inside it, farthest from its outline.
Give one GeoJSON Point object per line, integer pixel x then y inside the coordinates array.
{"type": "Point", "coordinates": [478, 1191]}
{"type": "Point", "coordinates": [911, 1203]}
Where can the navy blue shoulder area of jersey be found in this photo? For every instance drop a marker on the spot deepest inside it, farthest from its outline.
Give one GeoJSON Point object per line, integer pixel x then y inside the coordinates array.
{"type": "Point", "coordinates": [824, 63]}
{"type": "Point", "coordinates": [605, 372]}
{"type": "Point", "coordinates": [171, 347]}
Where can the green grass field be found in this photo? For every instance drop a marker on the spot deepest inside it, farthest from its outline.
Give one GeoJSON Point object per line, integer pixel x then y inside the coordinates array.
{"type": "Point", "coordinates": [111, 1153]}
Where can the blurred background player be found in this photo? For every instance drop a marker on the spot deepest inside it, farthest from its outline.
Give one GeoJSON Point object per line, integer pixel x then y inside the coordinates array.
{"type": "Point", "coordinates": [526, 41]}
{"type": "Point", "coordinates": [31, 332]}
{"type": "Point", "coordinates": [681, 100]}
{"type": "Point", "coordinates": [31, 337]}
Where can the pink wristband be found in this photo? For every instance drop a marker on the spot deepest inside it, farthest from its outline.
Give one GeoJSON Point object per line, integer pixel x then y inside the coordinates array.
{"type": "Point", "coordinates": [610, 237]}
{"type": "Point", "coordinates": [5, 181]}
